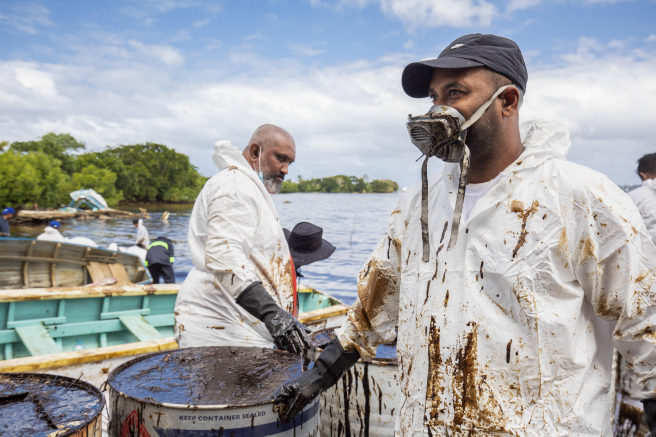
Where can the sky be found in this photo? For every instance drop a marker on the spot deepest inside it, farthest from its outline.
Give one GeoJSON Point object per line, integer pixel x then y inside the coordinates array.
{"type": "Point", "coordinates": [188, 73]}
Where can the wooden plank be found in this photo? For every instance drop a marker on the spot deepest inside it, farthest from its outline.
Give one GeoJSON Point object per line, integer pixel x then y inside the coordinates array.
{"type": "Point", "coordinates": [86, 328]}
{"type": "Point", "coordinates": [117, 271]}
{"type": "Point", "coordinates": [141, 329]}
{"type": "Point", "coordinates": [98, 271]}
{"type": "Point", "coordinates": [20, 258]}
{"type": "Point", "coordinates": [323, 313]}
{"type": "Point", "coordinates": [32, 364]}
{"type": "Point", "coordinates": [19, 295]}
{"type": "Point", "coordinates": [48, 321]}
{"type": "Point", "coordinates": [127, 313]}
{"type": "Point", "coordinates": [53, 265]}
{"type": "Point", "coordinates": [37, 340]}
{"type": "Point", "coordinates": [26, 265]}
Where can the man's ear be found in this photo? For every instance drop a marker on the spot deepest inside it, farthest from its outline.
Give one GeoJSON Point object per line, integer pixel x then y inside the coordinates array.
{"type": "Point", "coordinates": [510, 101]}
{"type": "Point", "coordinates": [254, 152]}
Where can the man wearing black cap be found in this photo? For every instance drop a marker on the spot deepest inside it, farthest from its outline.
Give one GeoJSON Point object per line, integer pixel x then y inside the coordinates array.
{"type": "Point", "coordinates": [504, 276]}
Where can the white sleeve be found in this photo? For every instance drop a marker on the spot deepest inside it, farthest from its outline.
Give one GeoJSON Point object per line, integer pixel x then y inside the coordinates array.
{"type": "Point", "coordinates": [372, 319]}
{"type": "Point", "coordinates": [615, 263]}
{"type": "Point", "coordinates": [233, 217]}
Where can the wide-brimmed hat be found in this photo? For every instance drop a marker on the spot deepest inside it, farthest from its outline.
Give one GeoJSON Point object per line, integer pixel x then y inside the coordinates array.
{"type": "Point", "coordinates": [307, 245]}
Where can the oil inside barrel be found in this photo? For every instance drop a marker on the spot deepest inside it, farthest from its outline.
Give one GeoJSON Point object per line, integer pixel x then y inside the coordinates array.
{"type": "Point", "coordinates": [33, 405]}
{"type": "Point", "coordinates": [321, 338]}
{"type": "Point", "coordinates": [208, 376]}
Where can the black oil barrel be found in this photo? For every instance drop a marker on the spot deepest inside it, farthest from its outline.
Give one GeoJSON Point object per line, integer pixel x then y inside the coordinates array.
{"type": "Point", "coordinates": [36, 404]}
{"type": "Point", "coordinates": [206, 391]}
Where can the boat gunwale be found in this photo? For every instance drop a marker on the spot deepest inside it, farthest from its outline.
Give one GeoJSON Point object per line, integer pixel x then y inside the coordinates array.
{"type": "Point", "coordinates": [84, 291]}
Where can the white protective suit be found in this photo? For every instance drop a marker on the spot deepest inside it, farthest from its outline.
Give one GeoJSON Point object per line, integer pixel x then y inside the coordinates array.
{"type": "Point", "coordinates": [51, 234]}
{"type": "Point", "coordinates": [645, 199]}
{"type": "Point", "coordinates": [235, 239]}
{"type": "Point", "coordinates": [509, 333]}
{"type": "Point", "coordinates": [142, 235]}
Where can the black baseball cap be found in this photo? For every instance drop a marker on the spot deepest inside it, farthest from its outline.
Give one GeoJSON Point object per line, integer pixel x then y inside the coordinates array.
{"type": "Point", "coordinates": [499, 54]}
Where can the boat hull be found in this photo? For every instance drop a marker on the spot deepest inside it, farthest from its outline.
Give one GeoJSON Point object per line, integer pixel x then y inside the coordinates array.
{"type": "Point", "coordinates": [27, 263]}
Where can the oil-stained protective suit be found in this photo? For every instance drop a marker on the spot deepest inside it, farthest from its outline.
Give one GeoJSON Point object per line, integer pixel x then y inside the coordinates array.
{"type": "Point", "coordinates": [235, 239]}
{"type": "Point", "coordinates": [645, 199]}
{"type": "Point", "coordinates": [510, 332]}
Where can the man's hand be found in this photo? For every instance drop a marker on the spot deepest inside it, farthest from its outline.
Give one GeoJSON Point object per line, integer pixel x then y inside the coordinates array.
{"type": "Point", "coordinates": [289, 401]}
{"type": "Point", "coordinates": [297, 393]}
{"type": "Point", "coordinates": [650, 414]}
{"type": "Point", "coordinates": [288, 333]}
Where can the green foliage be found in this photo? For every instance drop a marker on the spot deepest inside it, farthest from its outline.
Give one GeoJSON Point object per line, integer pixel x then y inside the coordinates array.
{"type": "Point", "coordinates": [309, 185]}
{"type": "Point", "coordinates": [150, 172]}
{"type": "Point", "coordinates": [58, 146]}
{"type": "Point", "coordinates": [339, 184]}
{"type": "Point", "coordinates": [289, 187]}
{"type": "Point", "coordinates": [102, 180]}
{"type": "Point", "coordinates": [32, 178]}
{"type": "Point", "coordinates": [384, 186]}
{"type": "Point", "coordinates": [46, 171]}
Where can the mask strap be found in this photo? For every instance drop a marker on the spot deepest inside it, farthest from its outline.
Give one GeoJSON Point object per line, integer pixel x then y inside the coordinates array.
{"type": "Point", "coordinates": [479, 113]}
{"type": "Point", "coordinates": [259, 160]}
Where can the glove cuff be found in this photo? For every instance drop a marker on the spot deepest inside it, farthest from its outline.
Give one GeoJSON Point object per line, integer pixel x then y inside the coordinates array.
{"type": "Point", "coordinates": [258, 302]}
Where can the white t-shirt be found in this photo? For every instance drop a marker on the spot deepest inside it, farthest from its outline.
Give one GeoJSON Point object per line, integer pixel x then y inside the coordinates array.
{"type": "Point", "coordinates": [473, 193]}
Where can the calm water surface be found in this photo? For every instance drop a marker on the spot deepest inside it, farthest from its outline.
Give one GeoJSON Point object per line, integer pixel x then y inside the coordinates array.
{"type": "Point", "coordinates": [353, 237]}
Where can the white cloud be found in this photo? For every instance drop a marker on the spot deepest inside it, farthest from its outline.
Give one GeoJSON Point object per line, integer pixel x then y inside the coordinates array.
{"type": "Point", "coordinates": [307, 49]}
{"type": "Point", "coordinates": [436, 13]}
{"type": "Point", "coordinates": [651, 38]}
{"type": "Point", "coordinates": [169, 5]}
{"type": "Point", "coordinates": [346, 118]}
{"type": "Point", "coordinates": [201, 23]}
{"type": "Point", "coordinates": [25, 17]}
{"type": "Point", "coordinates": [214, 45]}
{"type": "Point", "coordinates": [165, 54]}
{"type": "Point", "coordinates": [37, 81]}
{"type": "Point", "coordinates": [426, 13]}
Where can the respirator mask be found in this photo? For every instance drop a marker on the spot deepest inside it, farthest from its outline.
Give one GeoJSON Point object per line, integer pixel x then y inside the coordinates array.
{"type": "Point", "coordinates": [442, 133]}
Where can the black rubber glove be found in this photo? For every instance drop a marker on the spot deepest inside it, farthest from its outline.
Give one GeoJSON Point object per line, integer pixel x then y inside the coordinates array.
{"type": "Point", "coordinates": [297, 393]}
{"type": "Point", "coordinates": [649, 406]}
{"type": "Point", "coordinates": [288, 333]}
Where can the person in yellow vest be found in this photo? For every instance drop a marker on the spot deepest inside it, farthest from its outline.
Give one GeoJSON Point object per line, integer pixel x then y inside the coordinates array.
{"type": "Point", "coordinates": [159, 260]}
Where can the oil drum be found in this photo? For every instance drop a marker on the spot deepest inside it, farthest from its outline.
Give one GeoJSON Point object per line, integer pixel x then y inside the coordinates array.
{"type": "Point", "coordinates": [37, 404]}
{"type": "Point", "coordinates": [206, 392]}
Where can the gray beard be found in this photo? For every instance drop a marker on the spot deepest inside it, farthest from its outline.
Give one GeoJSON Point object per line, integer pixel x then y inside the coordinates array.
{"type": "Point", "coordinates": [272, 185]}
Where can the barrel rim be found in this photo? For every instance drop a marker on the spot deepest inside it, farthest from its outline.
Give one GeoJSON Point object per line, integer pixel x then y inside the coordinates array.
{"type": "Point", "coordinates": [119, 369]}
{"type": "Point", "coordinates": [85, 386]}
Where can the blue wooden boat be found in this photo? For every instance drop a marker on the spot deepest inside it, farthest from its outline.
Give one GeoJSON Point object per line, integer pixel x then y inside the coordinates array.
{"type": "Point", "coordinates": [42, 326]}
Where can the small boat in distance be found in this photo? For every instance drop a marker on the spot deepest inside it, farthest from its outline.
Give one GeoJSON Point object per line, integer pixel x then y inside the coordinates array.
{"type": "Point", "coordinates": [27, 263]}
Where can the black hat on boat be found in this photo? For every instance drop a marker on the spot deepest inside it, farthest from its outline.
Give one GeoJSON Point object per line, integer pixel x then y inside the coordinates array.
{"type": "Point", "coordinates": [307, 245]}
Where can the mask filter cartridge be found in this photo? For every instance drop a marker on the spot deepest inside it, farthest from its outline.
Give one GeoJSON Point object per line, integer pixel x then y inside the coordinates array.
{"type": "Point", "coordinates": [442, 132]}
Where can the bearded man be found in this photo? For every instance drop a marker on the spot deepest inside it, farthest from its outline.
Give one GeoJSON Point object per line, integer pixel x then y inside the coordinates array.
{"type": "Point", "coordinates": [241, 289]}
{"type": "Point", "coordinates": [507, 333]}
